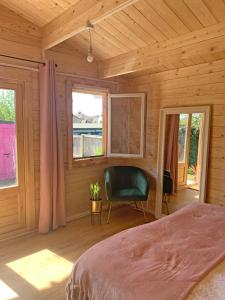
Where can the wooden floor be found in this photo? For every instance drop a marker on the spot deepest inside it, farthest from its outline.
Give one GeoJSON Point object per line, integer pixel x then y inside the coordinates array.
{"type": "Point", "coordinates": [181, 199]}
{"type": "Point", "coordinates": [37, 266]}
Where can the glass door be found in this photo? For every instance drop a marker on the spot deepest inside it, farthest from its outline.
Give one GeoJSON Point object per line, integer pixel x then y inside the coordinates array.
{"type": "Point", "coordinates": [12, 196]}
{"type": "Point", "coordinates": [183, 149]}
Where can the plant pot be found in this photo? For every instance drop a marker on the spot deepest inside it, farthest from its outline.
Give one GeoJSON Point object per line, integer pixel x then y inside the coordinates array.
{"type": "Point", "coordinates": [96, 206]}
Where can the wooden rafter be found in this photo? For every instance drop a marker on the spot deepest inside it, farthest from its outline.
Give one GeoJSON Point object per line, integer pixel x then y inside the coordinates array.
{"type": "Point", "coordinates": [73, 20]}
{"type": "Point", "coordinates": [202, 42]}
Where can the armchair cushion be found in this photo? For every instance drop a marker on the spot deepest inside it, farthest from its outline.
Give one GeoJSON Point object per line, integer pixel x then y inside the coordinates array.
{"type": "Point", "coordinates": [128, 193]}
{"type": "Point", "coordinates": [125, 183]}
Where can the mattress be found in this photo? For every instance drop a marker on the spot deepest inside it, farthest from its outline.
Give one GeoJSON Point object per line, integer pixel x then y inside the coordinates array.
{"type": "Point", "coordinates": [181, 256]}
{"type": "Point", "coordinates": [212, 287]}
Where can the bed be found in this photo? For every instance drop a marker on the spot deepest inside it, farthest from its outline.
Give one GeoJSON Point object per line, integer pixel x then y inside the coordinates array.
{"type": "Point", "coordinates": [181, 256]}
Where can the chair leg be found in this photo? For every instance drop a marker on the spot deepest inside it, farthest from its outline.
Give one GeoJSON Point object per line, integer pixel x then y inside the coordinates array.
{"type": "Point", "coordinates": [142, 206]}
{"type": "Point", "coordinates": [109, 211]}
{"type": "Point", "coordinates": [167, 206]}
{"type": "Point", "coordinates": [136, 204]}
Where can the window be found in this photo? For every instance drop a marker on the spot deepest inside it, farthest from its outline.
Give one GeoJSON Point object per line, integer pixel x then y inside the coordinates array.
{"type": "Point", "coordinates": [88, 124]}
{"type": "Point", "coordinates": [8, 145]}
{"type": "Point", "coordinates": [126, 125]}
{"type": "Point", "coordinates": [102, 125]}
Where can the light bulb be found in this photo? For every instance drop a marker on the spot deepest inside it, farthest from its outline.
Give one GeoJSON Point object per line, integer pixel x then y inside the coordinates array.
{"type": "Point", "coordinates": [90, 57]}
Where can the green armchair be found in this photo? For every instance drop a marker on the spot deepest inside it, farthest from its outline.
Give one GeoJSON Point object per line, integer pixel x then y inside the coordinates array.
{"type": "Point", "coordinates": [125, 183]}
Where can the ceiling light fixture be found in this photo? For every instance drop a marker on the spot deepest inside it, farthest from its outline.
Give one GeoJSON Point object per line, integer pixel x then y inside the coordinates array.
{"type": "Point", "coordinates": [90, 56]}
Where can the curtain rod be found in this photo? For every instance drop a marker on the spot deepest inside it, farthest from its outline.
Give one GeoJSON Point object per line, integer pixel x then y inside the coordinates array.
{"type": "Point", "coordinates": [58, 73]}
{"type": "Point", "coordinates": [25, 59]}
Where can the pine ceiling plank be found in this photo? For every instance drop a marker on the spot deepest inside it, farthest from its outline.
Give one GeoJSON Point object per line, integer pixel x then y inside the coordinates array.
{"type": "Point", "coordinates": [201, 11]}
{"type": "Point", "coordinates": [205, 41]}
{"type": "Point", "coordinates": [136, 15]}
{"type": "Point", "coordinates": [168, 15]}
{"type": "Point", "coordinates": [197, 59]}
{"type": "Point", "coordinates": [81, 44]}
{"type": "Point", "coordinates": [187, 62]}
{"type": "Point", "coordinates": [155, 19]}
{"type": "Point", "coordinates": [118, 34]}
{"type": "Point", "coordinates": [185, 14]}
{"type": "Point", "coordinates": [100, 28]}
{"type": "Point", "coordinates": [99, 41]}
{"type": "Point", "coordinates": [99, 52]}
{"type": "Point", "coordinates": [73, 20]}
{"type": "Point", "coordinates": [126, 31]}
{"type": "Point", "coordinates": [217, 8]}
{"type": "Point", "coordinates": [219, 55]}
{"type": "Point", "coordinates": [18, 24]}
{"type": "Point", "coordinates": [36, 11]}
{"type": "Point", "coordinates": [169, 65]}
{"type": "Point", "coordinates": [135, 28]}
{"type": "Point", "coordinates": [208, 57]}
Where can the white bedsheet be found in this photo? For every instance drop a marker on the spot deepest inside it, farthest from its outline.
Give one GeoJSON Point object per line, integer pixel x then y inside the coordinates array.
{"type": "Point", "coordinates": [212, 287]}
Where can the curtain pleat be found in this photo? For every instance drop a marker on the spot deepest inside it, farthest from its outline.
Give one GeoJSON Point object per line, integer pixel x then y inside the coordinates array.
{"type": "Point", "coordinates": [171, 148]}
{"type": "Point", "coordinates": [52, 193]}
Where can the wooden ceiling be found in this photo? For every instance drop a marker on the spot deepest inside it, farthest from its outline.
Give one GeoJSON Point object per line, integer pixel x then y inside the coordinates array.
{"type": "Point", "coordinates": [39, 12]}
{"type": "Point", "coordinates": [146, 22]}
{"type": "Point", "coordinates": [150, 21]}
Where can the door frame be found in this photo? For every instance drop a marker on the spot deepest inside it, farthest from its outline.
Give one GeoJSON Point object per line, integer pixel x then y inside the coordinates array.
{"type": "Point", "coordinates": [205, 110]}
{"type": "Point", "coordinates": [8, 76]}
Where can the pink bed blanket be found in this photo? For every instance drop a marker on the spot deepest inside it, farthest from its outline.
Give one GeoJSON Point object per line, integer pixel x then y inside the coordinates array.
{"type": "Point", "coordinates": [162, 260]}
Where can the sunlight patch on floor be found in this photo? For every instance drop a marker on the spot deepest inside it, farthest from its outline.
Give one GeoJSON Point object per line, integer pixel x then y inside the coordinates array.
{"type": "Point", "coordinates": [6, 293]}
{"type": "Point", "coordinates": [42, 269]}
{"type": "Point", "coordinates": [196, 196]}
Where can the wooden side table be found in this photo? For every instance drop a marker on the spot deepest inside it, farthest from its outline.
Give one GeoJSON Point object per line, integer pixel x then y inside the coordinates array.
{"type": "Point", "coordinates": [96, 211]}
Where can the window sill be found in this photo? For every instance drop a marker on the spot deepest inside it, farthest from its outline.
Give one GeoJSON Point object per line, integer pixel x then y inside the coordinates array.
{"type": "Point", "coordinates": [90, 161]}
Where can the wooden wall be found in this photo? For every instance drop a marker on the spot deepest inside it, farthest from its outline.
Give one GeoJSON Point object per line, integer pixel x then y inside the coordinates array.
{"type": "Point", "coordinates": [196, 85]}
{"type": "Point", "coordinates": [203, 84]}
{"type": "Point", "coordinates": [14, 41]}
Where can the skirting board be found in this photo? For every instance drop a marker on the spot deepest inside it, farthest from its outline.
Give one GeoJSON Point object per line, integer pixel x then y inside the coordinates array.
{"type": "Point", "coordinates": [77, 216]}
{"type": "Point", "coordinates": [87, 213]}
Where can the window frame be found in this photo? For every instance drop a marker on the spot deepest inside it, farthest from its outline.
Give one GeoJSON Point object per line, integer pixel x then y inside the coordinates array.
{"type": "Point", "coordinates": [84, 161]}
{"type": "Point", "coordinates": [142, 97]}
{"type": "Point", "coordinates": [18, 131]}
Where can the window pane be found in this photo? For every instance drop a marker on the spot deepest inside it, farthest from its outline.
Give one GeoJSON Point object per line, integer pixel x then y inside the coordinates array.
{"type": "Point", "coordinates": [87, 125]}
{"type": "Point", "coordinates": [8, 162]}
{"type": "Point", "coordinates": [126, 125]}
{"type": "Point", "coordinates": [182, 138]}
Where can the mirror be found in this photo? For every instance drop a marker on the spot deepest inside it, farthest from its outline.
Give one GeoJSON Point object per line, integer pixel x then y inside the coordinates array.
{"type": "Point", "coordinates": [182, 158]}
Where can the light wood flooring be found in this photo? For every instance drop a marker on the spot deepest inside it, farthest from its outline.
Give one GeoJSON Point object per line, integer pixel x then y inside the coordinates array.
{"type": "Point", "coordinates": [36, 267]}
{"type": "Point", "coordinates": [181, 199]}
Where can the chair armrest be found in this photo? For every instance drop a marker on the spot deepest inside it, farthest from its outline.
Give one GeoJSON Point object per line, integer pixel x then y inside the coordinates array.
{"type": "Point", "coordinates": [142, 183]}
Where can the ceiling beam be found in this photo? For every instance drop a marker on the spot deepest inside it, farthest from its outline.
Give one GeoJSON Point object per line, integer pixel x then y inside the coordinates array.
{"type": "Point", "coordinates": [73, 20]}
{"type": "Point", "coordinates": [192, 45]}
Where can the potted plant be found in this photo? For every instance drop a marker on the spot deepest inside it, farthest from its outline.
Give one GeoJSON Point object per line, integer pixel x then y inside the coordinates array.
{"type": "Point", "coordinates": [96, 203]}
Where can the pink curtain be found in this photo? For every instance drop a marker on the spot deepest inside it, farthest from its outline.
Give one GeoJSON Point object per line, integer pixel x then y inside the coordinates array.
{"type": "Point", "coordinates": [52, 208]}
{"type": "Point", "coordinates": [171, 147]}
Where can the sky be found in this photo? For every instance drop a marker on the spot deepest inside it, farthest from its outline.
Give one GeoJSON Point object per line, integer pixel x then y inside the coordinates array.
{"type": "Point", "coordinates": [90, 105]}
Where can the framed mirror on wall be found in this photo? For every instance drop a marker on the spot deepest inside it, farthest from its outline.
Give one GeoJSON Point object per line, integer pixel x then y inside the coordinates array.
{"type": "Point", "coordinates": [182, 158]}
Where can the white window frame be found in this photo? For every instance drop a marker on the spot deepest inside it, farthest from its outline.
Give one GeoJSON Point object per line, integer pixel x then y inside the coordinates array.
{"type": "Point", "coordinates": [131, 95]}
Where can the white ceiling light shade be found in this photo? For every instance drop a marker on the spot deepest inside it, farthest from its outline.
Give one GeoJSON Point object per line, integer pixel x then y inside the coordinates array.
{"type": "Point", "coordinates": [90, 56]}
